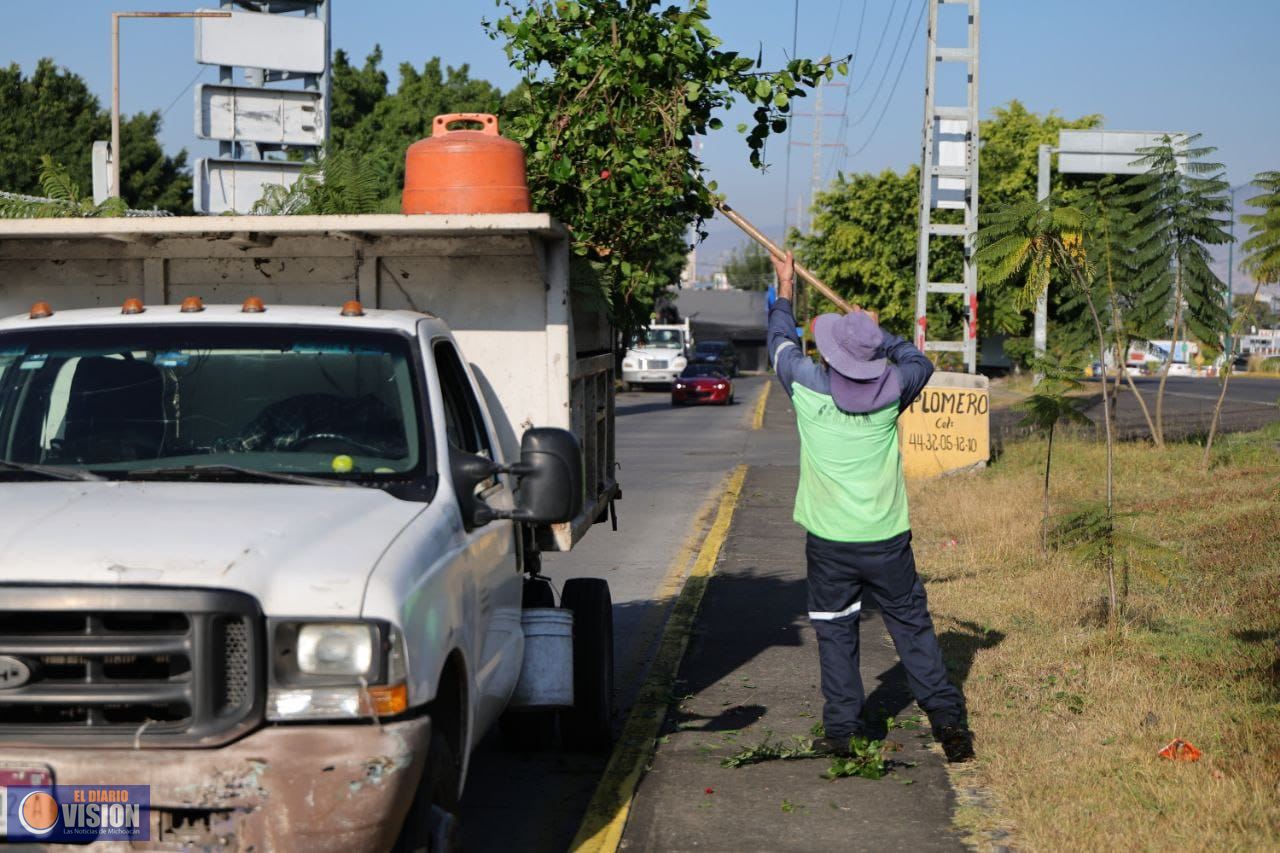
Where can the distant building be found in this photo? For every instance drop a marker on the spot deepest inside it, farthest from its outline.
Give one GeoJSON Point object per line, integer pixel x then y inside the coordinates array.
{"type": "Point", "coordinates": [730, 315]}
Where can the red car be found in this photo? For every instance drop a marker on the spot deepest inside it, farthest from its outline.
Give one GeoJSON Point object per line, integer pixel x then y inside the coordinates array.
{"type": "Point", "coordinates": [702, 383]}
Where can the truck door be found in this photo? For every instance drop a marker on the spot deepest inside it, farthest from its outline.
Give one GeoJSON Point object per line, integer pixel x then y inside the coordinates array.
{"type": "Point", "coordinates": [489, 553]}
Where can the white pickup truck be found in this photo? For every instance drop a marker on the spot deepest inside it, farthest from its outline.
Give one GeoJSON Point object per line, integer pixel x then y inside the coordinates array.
{"type": "Point", "coordinates": [273, 495]}
{"type": "Point", "coordinates": [657, 355]}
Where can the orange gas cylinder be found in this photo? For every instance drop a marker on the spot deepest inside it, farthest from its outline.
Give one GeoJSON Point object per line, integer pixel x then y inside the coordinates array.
{"type": "Point", "coordinates": [465, 171]}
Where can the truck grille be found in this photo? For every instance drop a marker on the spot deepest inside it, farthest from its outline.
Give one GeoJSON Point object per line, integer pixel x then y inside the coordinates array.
{"type": "Point", "coordinates": [134, 666]}
{"type": "Point", "coordinates": [658, 364]}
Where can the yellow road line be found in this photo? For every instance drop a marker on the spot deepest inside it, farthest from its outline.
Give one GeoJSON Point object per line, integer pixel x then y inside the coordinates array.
{"type": "Point", "coordinates": [606, 817]}
{"type": "Point", "coordinates": [757, 420]}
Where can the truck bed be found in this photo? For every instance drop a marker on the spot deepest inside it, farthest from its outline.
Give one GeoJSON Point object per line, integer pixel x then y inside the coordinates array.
{"type": "Point", "coordinates": [501, 283]}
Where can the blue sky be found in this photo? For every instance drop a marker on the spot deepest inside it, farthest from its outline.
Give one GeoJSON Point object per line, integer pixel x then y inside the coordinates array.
{"type": "Point", "coordinates": [1142, 64]}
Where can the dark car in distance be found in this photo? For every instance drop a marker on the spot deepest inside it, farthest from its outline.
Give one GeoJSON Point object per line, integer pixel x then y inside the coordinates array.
{"type": "Point", "coordinates": [719, 353]}
{"type": "Point", "coordinates": [702, 383]}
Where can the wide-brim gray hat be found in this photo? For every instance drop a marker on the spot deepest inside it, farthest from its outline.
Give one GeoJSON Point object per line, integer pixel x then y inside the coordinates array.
{"type": "Point", "coordinates": [851, 344]}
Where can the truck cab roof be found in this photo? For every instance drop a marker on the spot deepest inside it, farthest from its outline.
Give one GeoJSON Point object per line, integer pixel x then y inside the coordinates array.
{"type": "Point", "coordinates": [275, 315]}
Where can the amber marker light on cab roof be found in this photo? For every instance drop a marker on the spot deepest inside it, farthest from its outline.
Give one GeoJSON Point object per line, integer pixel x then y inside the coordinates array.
{"type": "Point", "coordinates": [191, 305]}
{"type": "Point", "coordinates": [352, 308]}
{"type": "Point", "coordinates": [252, 305]}
{"type": "Point", "coordinates": [132, 305]}
{"type": "Point", "coordinates": [40, 310]}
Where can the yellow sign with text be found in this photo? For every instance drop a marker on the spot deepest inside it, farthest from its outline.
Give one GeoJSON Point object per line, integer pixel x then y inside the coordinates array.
{"type": "Point", "coordinates": [948, 427]}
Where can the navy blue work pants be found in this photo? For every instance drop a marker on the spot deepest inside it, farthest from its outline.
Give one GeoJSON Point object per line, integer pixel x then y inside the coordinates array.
{"type": "Point", "coordinates": [839, 572]}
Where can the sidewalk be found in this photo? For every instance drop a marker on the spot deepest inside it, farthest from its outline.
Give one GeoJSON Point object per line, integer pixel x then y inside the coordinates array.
{"type": "Point", "coordinates": [751, 669]}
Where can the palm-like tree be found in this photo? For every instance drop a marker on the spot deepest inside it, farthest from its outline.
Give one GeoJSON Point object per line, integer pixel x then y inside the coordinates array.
{"type": "Point", "coordinates": [1183, 197]}
{"type": "Point", "coordinates": [1034, 240]}
{"type": "Point", "coordinates": [1263, 263]}
{"type": "Point", "coordinates": [1046, 408]}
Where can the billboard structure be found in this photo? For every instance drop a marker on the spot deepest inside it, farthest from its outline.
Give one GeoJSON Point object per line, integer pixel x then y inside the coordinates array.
{"type": "Point", "coordinates": [256, 121]}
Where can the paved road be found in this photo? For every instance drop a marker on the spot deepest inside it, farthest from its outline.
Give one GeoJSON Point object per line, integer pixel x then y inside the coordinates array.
{"type": "Point", "coordinates": [673, 462]}
{"type": "Point", "coordinates": [1250, 404]}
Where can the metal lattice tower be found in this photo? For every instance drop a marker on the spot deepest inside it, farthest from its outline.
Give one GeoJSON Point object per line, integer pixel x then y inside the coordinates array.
{"type": "Point", "coordinates": [949, 180]}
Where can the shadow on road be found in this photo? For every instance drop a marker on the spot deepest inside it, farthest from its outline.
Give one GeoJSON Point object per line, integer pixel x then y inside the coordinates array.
{"type": "Point", "coordinates": [752, 622]}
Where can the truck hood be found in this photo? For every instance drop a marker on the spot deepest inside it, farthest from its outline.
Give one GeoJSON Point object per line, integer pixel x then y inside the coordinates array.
{"type": "Point", "coordinates": [301, 550]}
{"type": "Point", "coordinates": [655, 352]}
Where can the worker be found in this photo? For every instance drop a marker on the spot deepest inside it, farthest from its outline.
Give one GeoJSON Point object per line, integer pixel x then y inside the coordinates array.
{"type": "Point", "coordinates": [852, 500]}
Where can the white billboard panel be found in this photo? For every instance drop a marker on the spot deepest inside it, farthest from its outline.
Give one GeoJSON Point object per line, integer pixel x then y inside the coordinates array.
{"type": "Point", "coordinates": [261, 40]}
{"type": "Point", "coordinates": [1101, 152]}
{"type": "Point", "coordinates": [250, 114]}
{"type": "Point", "coordinates": [224, 185]}
{"type": "Point", "coordinates": [950, 151]}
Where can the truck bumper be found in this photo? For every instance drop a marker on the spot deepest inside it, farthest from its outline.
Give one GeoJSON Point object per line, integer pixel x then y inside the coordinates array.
{"type": "Point", "coordinates": [305, 787]}
{"type": "Point", "coordinates": [650, 377]}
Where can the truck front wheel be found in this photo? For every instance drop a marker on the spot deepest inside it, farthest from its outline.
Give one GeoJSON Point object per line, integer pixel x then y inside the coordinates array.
{"type": "Point", "coordinates": [432, 822]}
{"type": "Point", "coordinates": [588, 726]}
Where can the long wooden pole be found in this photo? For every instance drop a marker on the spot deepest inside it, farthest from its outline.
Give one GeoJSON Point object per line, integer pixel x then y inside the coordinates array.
{"type": "Point", "coordinates": [755, 234]}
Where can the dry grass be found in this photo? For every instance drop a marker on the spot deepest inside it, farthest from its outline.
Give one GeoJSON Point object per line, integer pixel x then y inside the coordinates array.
{"type": "Point", "coordinates": [1069, 712]}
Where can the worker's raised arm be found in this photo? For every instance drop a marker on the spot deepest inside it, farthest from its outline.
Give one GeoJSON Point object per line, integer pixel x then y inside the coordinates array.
{"type": "Point", "coordinates": [914, 368]}
{"type": "Point", "coordinates": [788, 359]}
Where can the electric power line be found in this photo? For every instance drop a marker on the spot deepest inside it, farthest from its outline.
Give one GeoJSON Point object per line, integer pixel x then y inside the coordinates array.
{"type": "Point", "coordinates": [879, 45]}
{"type": "Point", "coordinates": [902, 65]}
{"type": "Point", "coordinates": [889, 63]}
{"type": "Point", "coordinates": [844, 110]}
{"type": "Point", "coordinates": [176, 97]}
{"type": "Point", "coordinates": [786, 183]}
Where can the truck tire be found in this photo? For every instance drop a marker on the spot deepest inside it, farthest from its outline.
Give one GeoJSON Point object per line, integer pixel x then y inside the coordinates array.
{"type": "Point", "coordinates": [588, 726]}
{"type": "Point", "coordinates": [432, 822]}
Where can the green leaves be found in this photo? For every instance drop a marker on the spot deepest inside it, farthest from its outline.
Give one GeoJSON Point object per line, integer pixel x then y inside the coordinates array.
{"type": "Point", "coordinates": [62, 198]}
{"type": "Point", "coordinates": [1263, 246]}
{"type": "Point", "coordinates": [617, 94]}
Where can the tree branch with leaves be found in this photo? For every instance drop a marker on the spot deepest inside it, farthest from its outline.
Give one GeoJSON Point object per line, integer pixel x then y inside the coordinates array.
{"type": "Point", "coordinates": [615, 95]}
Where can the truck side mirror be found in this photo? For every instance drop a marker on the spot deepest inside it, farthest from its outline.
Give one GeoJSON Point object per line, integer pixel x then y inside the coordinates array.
{"type": "Point", "coordinates": [550, 475]}
{"type": "Point", "coordinates": [469, 471]}
{"type": "Point", "coordinates": [550, 472]}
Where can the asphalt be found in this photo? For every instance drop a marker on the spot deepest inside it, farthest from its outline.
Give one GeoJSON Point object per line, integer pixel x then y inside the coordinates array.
{"type": "Point", "coordinates": [1251, 403]}
{"type": "Point", "coordinates": [751, 673]}
{"type": "Point", "coordinates": [672, 464]}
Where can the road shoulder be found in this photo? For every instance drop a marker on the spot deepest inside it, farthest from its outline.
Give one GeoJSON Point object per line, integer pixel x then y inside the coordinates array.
{"type": "Point", "coordinates": [751, 673]}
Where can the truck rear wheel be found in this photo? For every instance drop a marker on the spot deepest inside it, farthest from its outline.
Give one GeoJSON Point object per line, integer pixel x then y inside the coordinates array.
{"type": "Point", "coordinates": [432, 822]}
{"type": "Point", "coordinates": [588, 726]}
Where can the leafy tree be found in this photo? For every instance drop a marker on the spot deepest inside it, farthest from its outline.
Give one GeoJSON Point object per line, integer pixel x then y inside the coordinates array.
{"type": "Point", "coordinates": [863, 245]}
{"type": "Point", "coordinates": [1048, 406]}
{"type": "Point", "coordinates": [1134, 282]}
{"type": "Point", "coordinates": [1254, 312]}
{"type": "Point", "coordinates": [1263, 263]}
{"type": "Point", "coordinates": [615, 94]}
{"type": "Point", "coordinates": [865, 227]}
{"type": "Point", "coordinates": [1182, 197]}
{"type": "Point", "coordinates": [61, 197]}
{"type": "Point", "coordinates": [377, 127]}
{"type": "Point", "coordinates": [748, 267]}
{"type": "Point", "coordinates": [337, 182]}
{"type": "Point", "coordinates": [53, 112]}
{"type": "Point", "coordinates": [1029, 242]}
{"type": "Point", "coordinates": [1263, 247]}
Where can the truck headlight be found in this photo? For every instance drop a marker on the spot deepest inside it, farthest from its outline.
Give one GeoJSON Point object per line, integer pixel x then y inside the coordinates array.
{"type": "Point", "coordinates": [629, 363]}
{"type": "Point", "coordinates": [680, 362]}
{"type": "Point", "coordinates": [335, 648]}
{"type": "Point", "coordinates": [336, 670]}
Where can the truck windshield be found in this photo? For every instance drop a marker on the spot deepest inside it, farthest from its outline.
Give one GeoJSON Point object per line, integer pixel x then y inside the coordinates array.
{"type": "Point", "coordinates": [660, 338]}
{"type": "Point", "coordinates": [276, 400]}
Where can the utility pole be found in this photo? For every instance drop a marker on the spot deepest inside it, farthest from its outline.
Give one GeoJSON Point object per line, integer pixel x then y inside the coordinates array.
{"type": "Point", "coordinates": [114, 189]}
{"type": "Point", "coordinates": [949, 180]}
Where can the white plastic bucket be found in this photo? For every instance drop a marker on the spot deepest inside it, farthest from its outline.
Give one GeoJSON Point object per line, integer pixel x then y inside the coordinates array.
{"type": "Point", "coordinates": [546, 675]}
